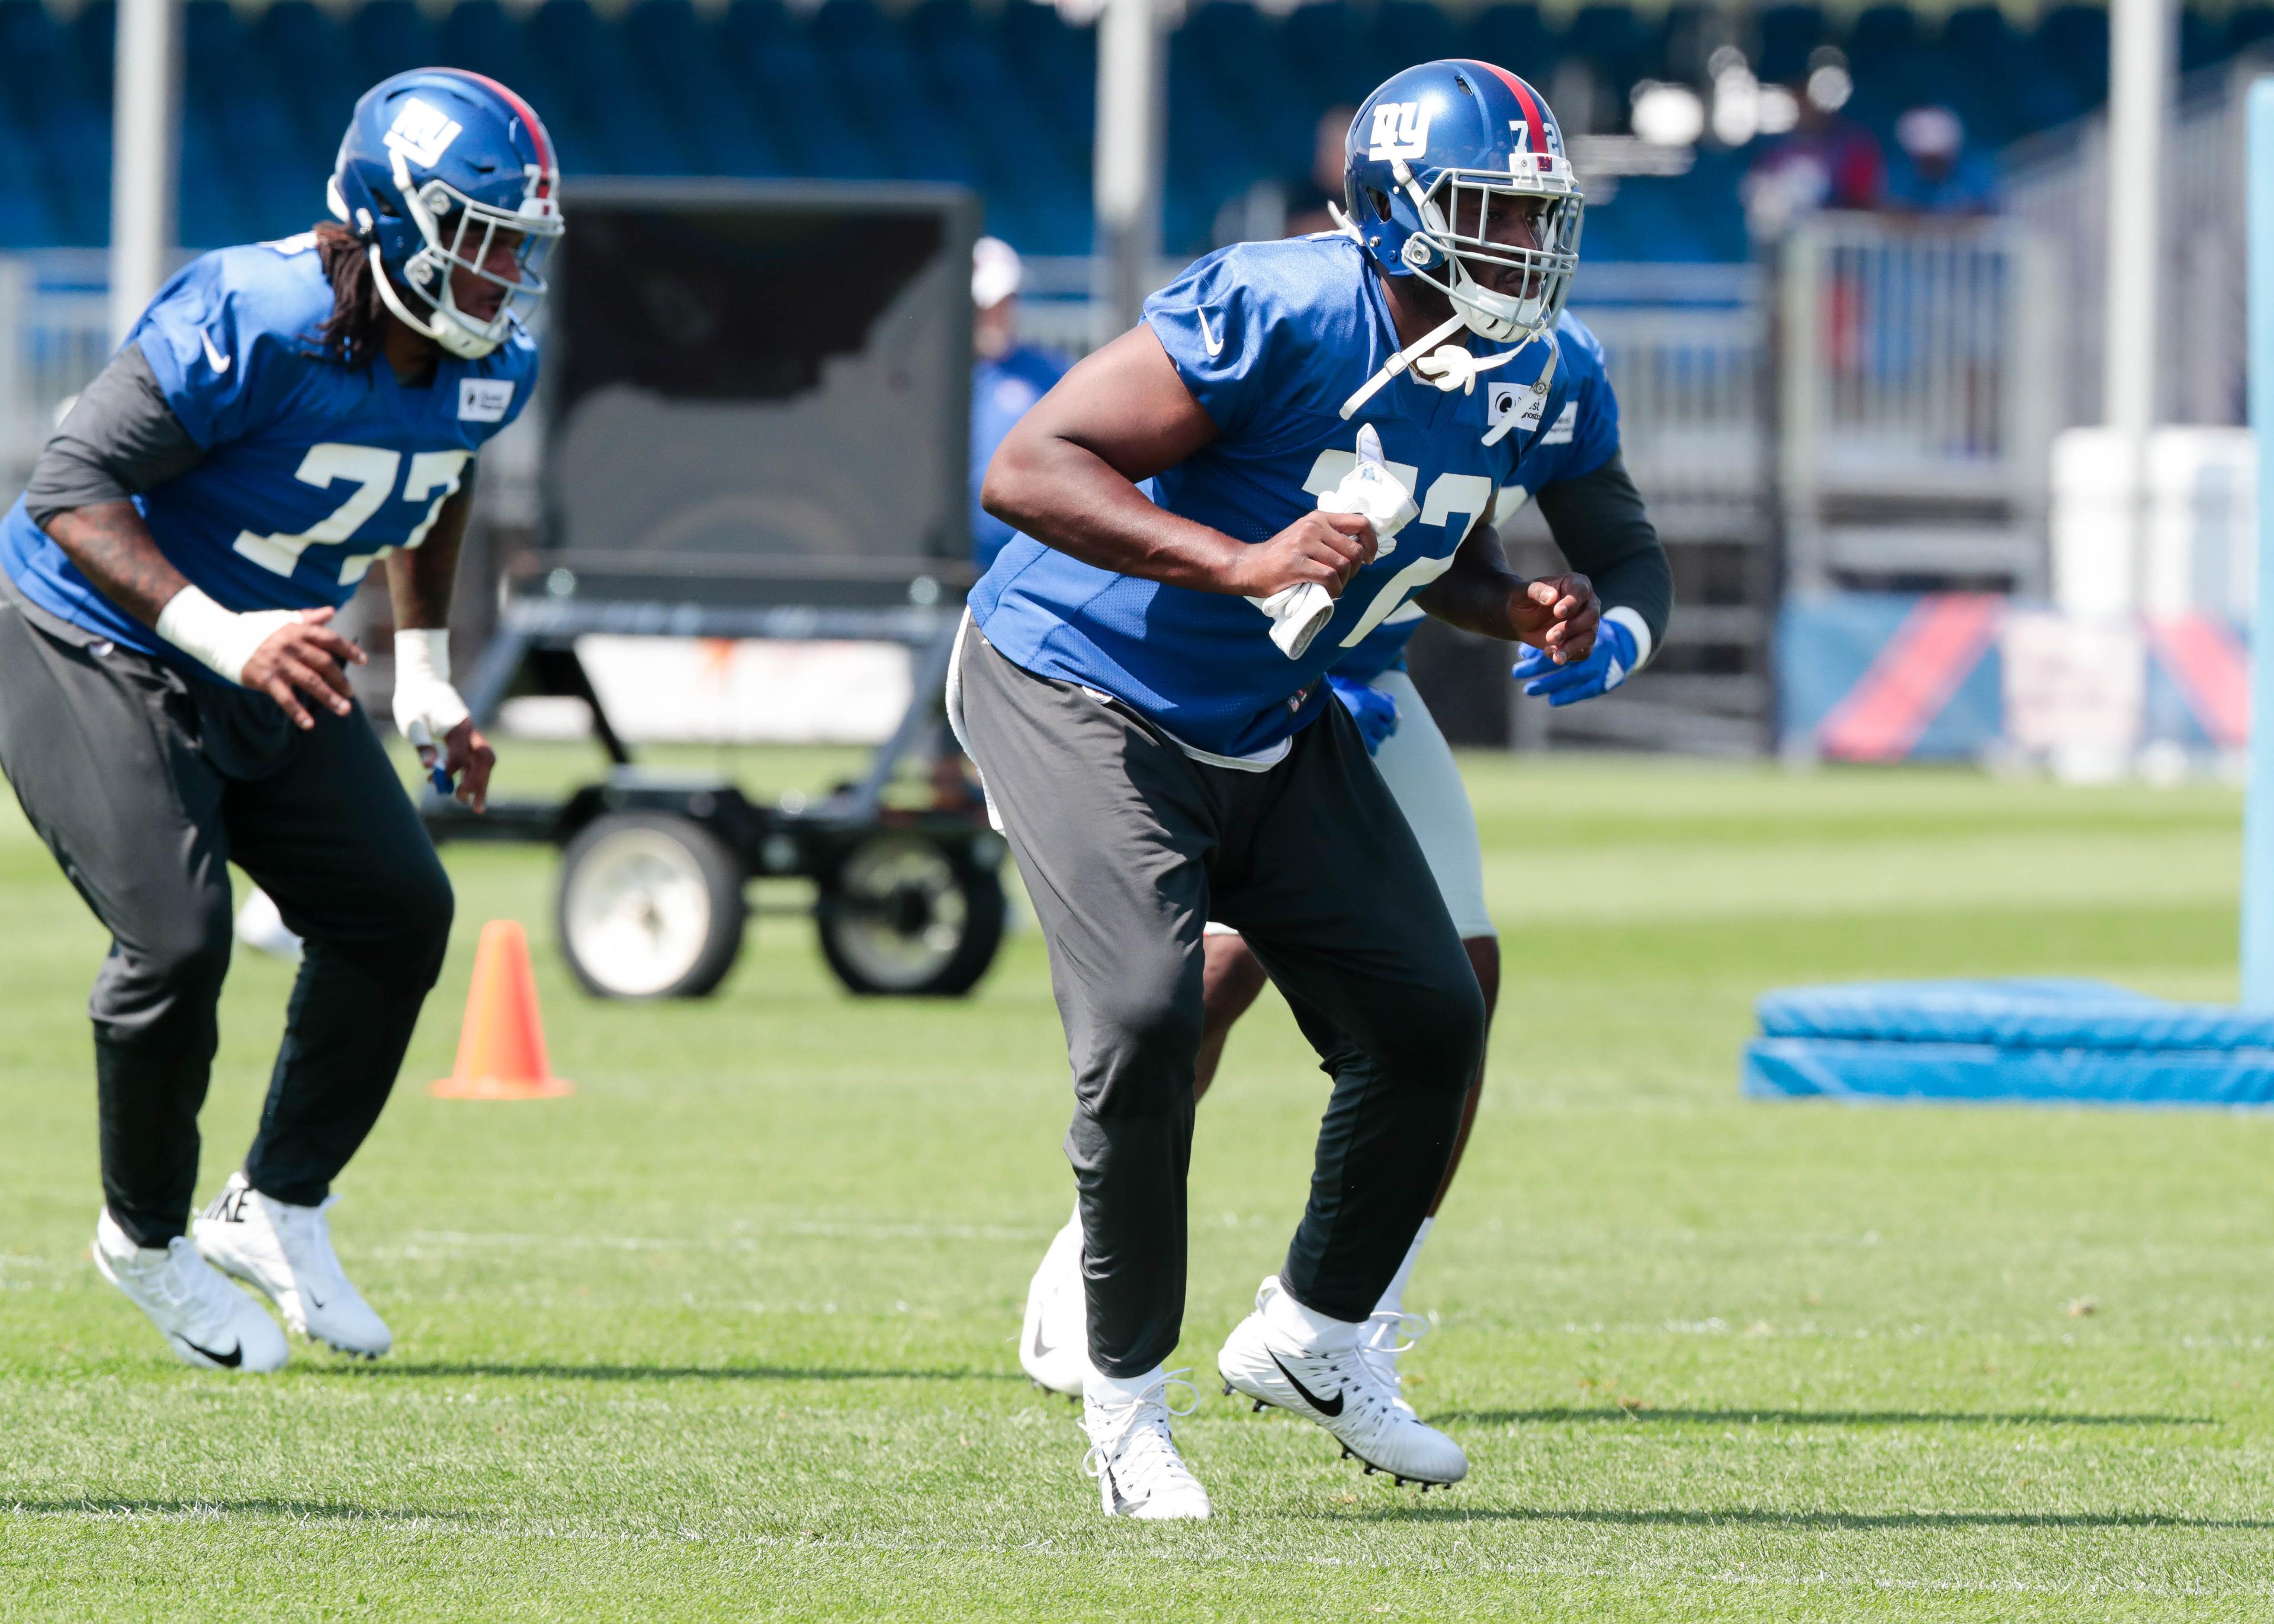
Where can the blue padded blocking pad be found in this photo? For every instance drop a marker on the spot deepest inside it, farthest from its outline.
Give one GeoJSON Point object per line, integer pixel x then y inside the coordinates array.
{"type": "Point", "coordinates": [2048, 1040]}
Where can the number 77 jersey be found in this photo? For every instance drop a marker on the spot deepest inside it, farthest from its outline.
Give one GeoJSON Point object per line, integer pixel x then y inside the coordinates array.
{"type": "Point", "coordinates": [312, 471]}
{"type": "Point", "coordinates": [1274, 340]}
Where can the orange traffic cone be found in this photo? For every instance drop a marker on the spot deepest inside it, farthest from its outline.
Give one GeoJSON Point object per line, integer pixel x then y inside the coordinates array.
{"type": "Point", "coordinates": [502, 1048]}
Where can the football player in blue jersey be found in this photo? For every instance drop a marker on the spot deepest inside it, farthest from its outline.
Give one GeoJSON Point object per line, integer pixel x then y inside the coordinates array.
{"type": "Point", "coordinates": [1008, 375]}
{"type": "Point", "coordinates": [174, 696]}
{"type": "Point", "coordinates": [1327, 423]}
{"type": "Point", "coordinates": [1598, 522]}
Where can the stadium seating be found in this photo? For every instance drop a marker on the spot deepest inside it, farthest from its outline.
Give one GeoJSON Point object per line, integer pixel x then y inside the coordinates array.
{"type": "Point", "coordinates": [1000, 98]}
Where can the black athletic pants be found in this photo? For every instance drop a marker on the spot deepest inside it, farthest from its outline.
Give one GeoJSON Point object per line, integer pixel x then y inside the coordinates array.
{"type": "Point", "coordinates": [144, 784]}
{"type": "Point", "coordinates": [1128, 847]}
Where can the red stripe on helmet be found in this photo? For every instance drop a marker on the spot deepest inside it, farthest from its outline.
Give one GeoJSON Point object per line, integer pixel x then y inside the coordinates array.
{"type": "Point", "coordinates": [528, 116]}
{"type": "Point", "coordinates": [1524, 99]}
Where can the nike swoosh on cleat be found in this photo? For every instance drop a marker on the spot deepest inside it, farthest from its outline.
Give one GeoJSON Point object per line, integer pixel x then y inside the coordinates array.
{"type": "Point", "coordinates": [1309, 1397]}
{"type": "Point", "coordinates": [1042, 1348]}
{"type": "Point", "coordinates": [230, 1360]}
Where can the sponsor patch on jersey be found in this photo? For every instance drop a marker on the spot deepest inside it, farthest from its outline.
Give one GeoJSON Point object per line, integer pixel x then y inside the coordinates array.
{"type": "Point", "coordinates": [422, 133]}
{"type": "Point", "coordinates": [1401, 130]}
{"type": "Point", "coordinates": [484, 399]}
{"type": "Point", "coordinates": [1560, 433]}
{"type": "Point", "coordinates": [1517, 405]}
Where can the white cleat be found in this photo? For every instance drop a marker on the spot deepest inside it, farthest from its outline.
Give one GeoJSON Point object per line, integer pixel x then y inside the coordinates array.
{"type": "Point", "coordinates": [286, 1250]}
{"type": "Point", "coordinates": [1386, 1334]}
{"type": "Point", "coordinates": [260, 926]}
{"type": "Point", "coordinates": [207, 1321]}
{"type": "Point", "coordinates": [1339, 1389]}
{"type": "Point", "coordinates": [1139, 1472]}
{"type": "Point", "coordinates": [1054, 1342]}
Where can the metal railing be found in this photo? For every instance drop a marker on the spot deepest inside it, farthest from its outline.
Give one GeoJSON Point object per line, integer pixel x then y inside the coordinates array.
{"type": "Point", "coordinates": [1919, 384]}
{"type": "Point", "coordinates": [54, 336]}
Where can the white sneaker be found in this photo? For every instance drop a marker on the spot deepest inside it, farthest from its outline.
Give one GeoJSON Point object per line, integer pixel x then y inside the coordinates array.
{"type": "Point", "coordinates": [1386, 1334]}
{"type": "Point", "coordinates": [261, 926]}
{"type": "Point", "coordinates": [206, 1321]}
{"type": "Point", "coordinates": [286, 1250]}
{"type": "Point", "coordinates": [1339, 1389]}
{"type": "Point", "coordinates": [1139, 1472]}
{"type": "Point", "coordinates": [1054, 1342]}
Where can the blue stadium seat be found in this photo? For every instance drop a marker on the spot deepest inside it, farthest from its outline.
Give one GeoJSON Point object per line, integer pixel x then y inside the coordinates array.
{"type": "Point", "coordinates": [791, 86]}
{"type": "Point", "coordinates": [628, 131]}
{"type": "Point", "coordinates": [874, 72]}
{"type": "Point", "coordinates": [306, 54]}
{"type": "Point", "coordinates": [25, 220]}
{"type": "Point", "coordinates": [1788, 33]}
{"type": "Point", "coordinates": [680, 54]}
{"type": "Point", "coordinates": [387, 37]}
{"type": "Point", "coordinates": [1616, 40]}
{"type": "Point", "coordinates": [1514, 37]}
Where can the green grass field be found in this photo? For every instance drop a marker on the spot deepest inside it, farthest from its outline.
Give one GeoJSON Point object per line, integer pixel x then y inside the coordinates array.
{"type": "Point", "coordinates": [730, 1333]}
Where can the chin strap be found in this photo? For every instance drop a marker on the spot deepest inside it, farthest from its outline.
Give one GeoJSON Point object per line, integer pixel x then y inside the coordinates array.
{"type": "Point", "coordinates": [440, 328]}
{"type": "Point", "coordinates": [1397, 364]}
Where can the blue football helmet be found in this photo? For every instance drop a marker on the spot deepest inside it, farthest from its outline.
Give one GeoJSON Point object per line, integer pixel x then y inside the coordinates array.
{"type": "Point", "coordinates": [1430, 155]}
{"type": "Point", "coordinates": [436, 164]}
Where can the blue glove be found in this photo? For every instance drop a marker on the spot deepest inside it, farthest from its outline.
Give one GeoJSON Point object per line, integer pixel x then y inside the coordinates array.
{"type": "Point", "coordinates": [1375, 711]}
{"type": "Point", "coordinates": [1608, 665]}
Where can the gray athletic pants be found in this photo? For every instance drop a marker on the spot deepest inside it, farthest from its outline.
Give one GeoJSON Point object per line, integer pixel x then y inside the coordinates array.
{"type": "Point", "coordinates": [1129, 847]}
{"type": "Point", "coordinates": [144, 784]}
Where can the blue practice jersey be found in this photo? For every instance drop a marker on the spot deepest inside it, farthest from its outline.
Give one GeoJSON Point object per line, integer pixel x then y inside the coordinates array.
{"type": "Point", "coordinates": [1578, 439]}
{"type": "Point", "coordinates": [1003, 387]}
{"type": "Point", "coordinates": [312, 471]}
{"type": "Point", "coordinates": [1271, 338]}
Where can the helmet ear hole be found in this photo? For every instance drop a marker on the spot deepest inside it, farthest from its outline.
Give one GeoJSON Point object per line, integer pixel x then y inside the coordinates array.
{"type": "Point", "coordinates": [1380, 201]}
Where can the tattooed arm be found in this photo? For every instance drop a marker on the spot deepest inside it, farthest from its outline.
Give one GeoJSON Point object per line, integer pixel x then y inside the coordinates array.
{"type": "Point", "coordinates": [113, 548]}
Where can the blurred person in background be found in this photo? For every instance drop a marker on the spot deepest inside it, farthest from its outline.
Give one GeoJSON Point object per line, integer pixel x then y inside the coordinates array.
{"type": "Point", "coordinates": [1934, 170]}
{"type": "Point", "coordinates": [1007, 377]}
{"type": "Point", "coordinates": [175, 697]}
{"type": "Point", "coordinates": [1826, 160]}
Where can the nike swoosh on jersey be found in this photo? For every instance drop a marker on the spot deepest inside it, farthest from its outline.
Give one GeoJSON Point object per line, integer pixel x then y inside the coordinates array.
{"type": "Point", "coordinates": [230, 1360]}
{"type": "Point", "coordinates": [220, 361]}
{"type": "Point", "coordinates": [1215, 341]}
{"type": "Point", "coordinates": [1309, 1397]}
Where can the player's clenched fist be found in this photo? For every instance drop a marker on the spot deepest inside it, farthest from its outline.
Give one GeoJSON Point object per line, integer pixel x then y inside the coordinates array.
{"type": "Point", "coordinates": [1556, 614]}
{"type": "Point", "coordinates": [1325, 548]}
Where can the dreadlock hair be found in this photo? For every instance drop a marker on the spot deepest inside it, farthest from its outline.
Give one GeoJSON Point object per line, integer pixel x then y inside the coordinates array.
{"type": "Point", "coordinates": [356, 331]}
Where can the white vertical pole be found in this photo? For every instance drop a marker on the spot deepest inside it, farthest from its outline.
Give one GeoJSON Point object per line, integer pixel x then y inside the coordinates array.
{"type": "Point", "coordinates": [2258, 807]}
{"type": "Point", "coordinates": [2140, 41]}
{"type": "Point", "coordinates": [145, 153]}
{"type": "Point", "coordinates": [1132, 84]}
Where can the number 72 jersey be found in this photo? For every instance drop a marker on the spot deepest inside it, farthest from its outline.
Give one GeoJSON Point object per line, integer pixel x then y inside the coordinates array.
{"type": "Point", "coordinates": [1272, 339]}
{"type": "Point", "coordinates": [312, 471]}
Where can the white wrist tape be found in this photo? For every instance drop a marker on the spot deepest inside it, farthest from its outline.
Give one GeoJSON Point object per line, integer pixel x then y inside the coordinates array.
{"type": "Point", "coordinates": [427, 707]}
{"type": "Point", "coordinates": [218, 637]}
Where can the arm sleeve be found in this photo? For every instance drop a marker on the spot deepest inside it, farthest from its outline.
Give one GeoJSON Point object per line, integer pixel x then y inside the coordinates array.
{"type": "Point", "coordinates": [121, 438]}
{"type": "Point", "coordinates": [1599, 525]}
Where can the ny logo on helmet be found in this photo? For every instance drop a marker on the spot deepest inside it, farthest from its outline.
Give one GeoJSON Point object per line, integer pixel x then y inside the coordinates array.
{"type": "Point", "coordinates": [1401, 130]}
{"type": "Point", "coordinates": [422, 133]}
